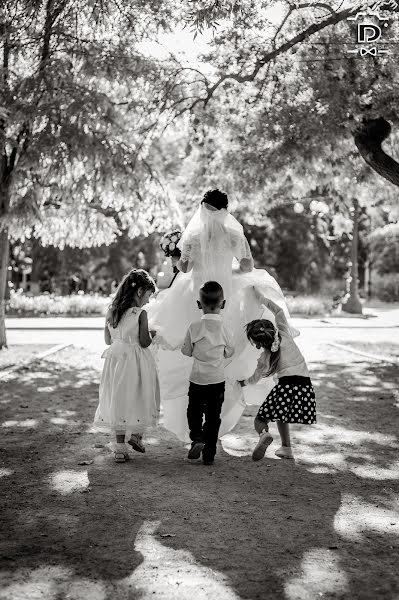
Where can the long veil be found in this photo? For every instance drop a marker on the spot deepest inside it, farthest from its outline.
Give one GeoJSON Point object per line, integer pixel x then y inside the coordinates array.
{"type": "Point", "coordinates": [209, 242]}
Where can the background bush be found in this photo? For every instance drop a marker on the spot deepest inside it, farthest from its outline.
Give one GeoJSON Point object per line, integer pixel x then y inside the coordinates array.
{"type": "Point", "coordinates": [49, 304]}
{"type": "Point", "coordinates": [386, 287]}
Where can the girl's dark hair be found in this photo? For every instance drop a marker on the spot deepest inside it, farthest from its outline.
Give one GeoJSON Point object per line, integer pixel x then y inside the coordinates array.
{"type": "Point", "coordinates": [125, 294]}
{"type": "Point", "coordinates": [262, 331]}
{"type": "Point", "coordinates": [216, 198]}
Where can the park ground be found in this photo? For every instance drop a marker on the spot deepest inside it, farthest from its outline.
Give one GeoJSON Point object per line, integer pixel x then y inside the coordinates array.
{"type": "Point", "coordinates": [77, 526]}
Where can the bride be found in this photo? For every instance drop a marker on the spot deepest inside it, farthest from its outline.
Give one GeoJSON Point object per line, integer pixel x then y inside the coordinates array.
{"type": "Point", "coordinates": [213, 248]}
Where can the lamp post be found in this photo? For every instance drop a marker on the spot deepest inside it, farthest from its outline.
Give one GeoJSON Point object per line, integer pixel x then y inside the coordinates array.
{"type": "Point", "coordinates": [351, 303]}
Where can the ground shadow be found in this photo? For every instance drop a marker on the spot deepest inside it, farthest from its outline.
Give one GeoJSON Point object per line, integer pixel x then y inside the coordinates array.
{"type": "Point", "coordinates": [162, 527]}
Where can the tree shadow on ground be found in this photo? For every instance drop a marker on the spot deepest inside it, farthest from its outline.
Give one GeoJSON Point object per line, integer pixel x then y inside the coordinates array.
{"type": "Point", "coordinates": [161, 527]}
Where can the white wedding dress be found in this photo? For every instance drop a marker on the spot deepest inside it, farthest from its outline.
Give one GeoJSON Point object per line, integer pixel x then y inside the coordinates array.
{"type": "Point", "coordinates": [211, 244]}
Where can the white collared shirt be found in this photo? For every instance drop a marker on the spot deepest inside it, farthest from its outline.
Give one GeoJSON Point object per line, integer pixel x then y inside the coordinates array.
{"type": "Point", "coordinates": [209, 343]}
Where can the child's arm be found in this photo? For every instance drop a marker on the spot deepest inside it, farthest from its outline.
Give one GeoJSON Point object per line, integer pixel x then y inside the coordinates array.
{"type": "Point", "coordinates": [259, 372]}
{"type": "Point", "coordinates": [281, 320]}
{"type": "Point", "coordinates": [107, 335]}
{"type": "Point", "coordinates": [229, 347]}
{"type": "Point", "coordinates": [144, 335]}
{"type": "Point", "coordinates": [184, 263]}
{"type": "Point", "coordinates": [187, 348]}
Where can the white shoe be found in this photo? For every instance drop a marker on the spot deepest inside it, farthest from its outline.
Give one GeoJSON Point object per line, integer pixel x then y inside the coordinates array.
{"type": "Point", "coordinates": [284, 452]}
{"type": "Point", "coordinates": [265, 439]}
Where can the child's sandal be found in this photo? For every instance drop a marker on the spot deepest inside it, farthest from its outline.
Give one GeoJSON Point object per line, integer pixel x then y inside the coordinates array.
{"type": "Point", "coordinates": [120, 456]}
{"type": "Point", "coordinates": [136, 443]}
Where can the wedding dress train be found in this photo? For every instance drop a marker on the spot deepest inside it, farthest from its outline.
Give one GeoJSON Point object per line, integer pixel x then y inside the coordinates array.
{"type": "Point", "coordinates": [212, 243]}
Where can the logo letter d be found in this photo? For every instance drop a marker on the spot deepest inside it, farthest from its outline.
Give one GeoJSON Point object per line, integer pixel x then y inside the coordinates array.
{"type": "Point", "coordinates": [368, 33]}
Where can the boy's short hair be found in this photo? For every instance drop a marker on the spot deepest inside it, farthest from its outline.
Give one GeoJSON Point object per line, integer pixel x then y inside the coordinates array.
{"type": "Point", "coordinates": [211, 294]}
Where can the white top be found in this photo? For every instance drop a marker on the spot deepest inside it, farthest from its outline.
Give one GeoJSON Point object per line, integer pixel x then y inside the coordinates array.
{"type": "Point", "coordinates": [291, 361]}
{"type": "Point", "coordinates": [209, 343]}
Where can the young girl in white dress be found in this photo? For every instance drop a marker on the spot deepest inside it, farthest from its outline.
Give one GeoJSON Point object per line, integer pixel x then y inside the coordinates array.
{"type": "Point", "coordinates": [129, 389]}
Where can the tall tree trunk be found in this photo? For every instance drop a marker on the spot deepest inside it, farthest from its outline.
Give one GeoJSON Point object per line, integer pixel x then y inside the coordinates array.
{"type": "Point", "coordinates": [352, 303]}
{"type": "Point", "coordinates": [4, 254]}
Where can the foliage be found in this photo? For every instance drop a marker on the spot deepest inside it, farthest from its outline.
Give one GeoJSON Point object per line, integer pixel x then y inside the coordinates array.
{"type": "Point", "coordinates": [87, 269]}
{"type": "Point", "coordinates": [49, 304]}
{"type": "Point", "coordinates": [386, 287]}
{"type": "Point", "coordinates": [78, 104]}
{"type": "Point", "coordinates": [308, 306]}
{"type": "Point", "coordinates": [385, 249]}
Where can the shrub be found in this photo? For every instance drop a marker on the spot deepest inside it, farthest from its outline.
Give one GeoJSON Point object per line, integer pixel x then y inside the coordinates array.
{"type": "Point", "coordinates": [384, 246]}
{"type": "Point", "coordinates": [386, 287]}
{"type": "Point", "coordinates": [309, 306]}
{"type": "Point", "coordinates": [49, 304]}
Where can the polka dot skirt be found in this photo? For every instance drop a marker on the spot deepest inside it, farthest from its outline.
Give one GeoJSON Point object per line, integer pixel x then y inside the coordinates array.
{"type": "Point", "coordinates": [292, 400]}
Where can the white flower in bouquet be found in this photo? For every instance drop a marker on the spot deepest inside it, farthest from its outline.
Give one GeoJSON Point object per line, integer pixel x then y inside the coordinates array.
{"type": "Point", "coordinates": [169, 242]}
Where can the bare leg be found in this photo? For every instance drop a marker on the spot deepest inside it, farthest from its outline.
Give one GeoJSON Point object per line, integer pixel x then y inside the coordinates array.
{"type": "Point", "coordinates": [121, 453]}
{"type": "Point", "coordinates": [260, 426]}
{"type": "Point", "coordinates": [284, 431]}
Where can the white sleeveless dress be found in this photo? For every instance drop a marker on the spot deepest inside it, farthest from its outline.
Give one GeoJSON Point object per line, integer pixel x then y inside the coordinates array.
{"type": "Point", "coordinates": [129, 396]}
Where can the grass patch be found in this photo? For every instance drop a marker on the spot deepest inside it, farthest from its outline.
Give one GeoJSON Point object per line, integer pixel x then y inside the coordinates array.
{"type": "Point", "coordinates": [308, 306]}
{"type": "Point", "coordinates": [76, 305]}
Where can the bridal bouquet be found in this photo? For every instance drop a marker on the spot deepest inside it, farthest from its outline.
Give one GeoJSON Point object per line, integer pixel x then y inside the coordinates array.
{"type": "Point", "coordinates": [169, 243]}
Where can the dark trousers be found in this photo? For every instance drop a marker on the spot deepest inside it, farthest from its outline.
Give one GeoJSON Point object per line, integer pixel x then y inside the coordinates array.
{"type": "Point", "coordinates": [205, 400]}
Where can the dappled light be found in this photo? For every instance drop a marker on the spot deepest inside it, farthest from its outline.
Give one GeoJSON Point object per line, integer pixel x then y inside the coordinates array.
{"type": "Point", "coordinates": [6, 472]}
{"type": "Point", "coordinates": [27, 423]}
{"type": "Point", "coordinates": [107, 529]}
{"type": "Point", "coordinates": [322, 574]}
{"type": "Point", "coordinates": [51, 583]}
{"type": "Point", "coordinates": [165, 571]}
{"type": "Point", "coordinates": [67, 482]}
{"type": "Point", "coordinates": [356, 519]}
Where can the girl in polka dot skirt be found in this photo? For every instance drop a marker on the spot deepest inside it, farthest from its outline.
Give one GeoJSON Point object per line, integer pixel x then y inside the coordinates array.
{"type": "Point", "coordinates": [292, 400]}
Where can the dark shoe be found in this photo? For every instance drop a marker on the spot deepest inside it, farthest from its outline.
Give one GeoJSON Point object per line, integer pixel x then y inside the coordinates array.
{"type": "Point", "coordinates": [195, 450]}
{"type": "Point", "coordinates": [207, 459]}
{"type": "Point", "coordinates": [265, 439]}
{"type": "Point", "coordinates": [136, 442]}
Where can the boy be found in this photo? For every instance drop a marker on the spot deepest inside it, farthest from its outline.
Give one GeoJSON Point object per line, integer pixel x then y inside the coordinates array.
{"type": "Point", "coordinates": [209, 343]}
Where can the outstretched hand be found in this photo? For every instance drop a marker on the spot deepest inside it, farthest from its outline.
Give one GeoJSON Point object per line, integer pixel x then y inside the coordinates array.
{"type": "Point", "coordinates": [266, 301]}
{"type": "Point", "coordinates": [260, 297]}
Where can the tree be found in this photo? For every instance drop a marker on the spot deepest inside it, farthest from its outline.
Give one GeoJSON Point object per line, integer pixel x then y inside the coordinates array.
{"type": "Point", "coordinates": [77, 100]}
{"type": "Point", "coordinates": [250, 46]}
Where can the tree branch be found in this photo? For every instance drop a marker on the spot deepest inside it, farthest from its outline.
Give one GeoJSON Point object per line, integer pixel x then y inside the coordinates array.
{"type": "Point", "coordinates": [368, 138]}
{"type": "Point", "coordinates": [108, 212]}
{"type": "Point", "coordinates": [267, 57]}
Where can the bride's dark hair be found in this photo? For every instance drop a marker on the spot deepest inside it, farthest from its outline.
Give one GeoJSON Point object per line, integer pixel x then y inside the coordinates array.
{"type": "Point", "coordinates": [216, 198]}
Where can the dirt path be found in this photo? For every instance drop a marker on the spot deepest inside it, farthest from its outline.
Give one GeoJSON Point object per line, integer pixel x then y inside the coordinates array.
{"type": "Point", "coordinates": [325, 526]}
